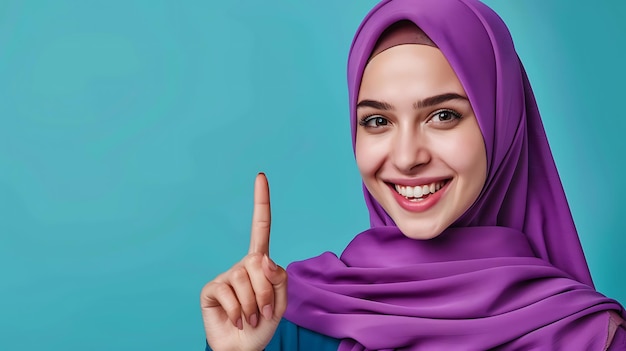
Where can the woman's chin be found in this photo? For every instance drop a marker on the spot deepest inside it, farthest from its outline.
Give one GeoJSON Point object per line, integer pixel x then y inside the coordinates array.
{"type": "Point", "coordinates": [419, 232]}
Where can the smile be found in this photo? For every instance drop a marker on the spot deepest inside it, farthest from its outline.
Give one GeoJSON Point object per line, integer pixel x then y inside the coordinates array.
{"type": "Point", "coordinates": [419, 192]}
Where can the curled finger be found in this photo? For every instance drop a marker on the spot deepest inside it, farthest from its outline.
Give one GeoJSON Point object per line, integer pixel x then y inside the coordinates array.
{"type": "Point", "coordinates": [222, 295]}
{"type": "Point", "coordinates": [240, 281]}
{"type": "Point", "coordinates": [263, 289]}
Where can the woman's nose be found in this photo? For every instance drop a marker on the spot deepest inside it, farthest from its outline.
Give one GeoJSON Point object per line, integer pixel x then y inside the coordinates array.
{"type": "Point", "coordinates": [410, 151]}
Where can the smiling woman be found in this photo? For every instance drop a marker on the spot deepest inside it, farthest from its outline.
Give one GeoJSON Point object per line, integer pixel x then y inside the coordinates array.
{"type": "Point", "coordinates": [418, 145]}
{"type": "Point", "coordinates": [471, 246]}
{"type": "Point", "coordinates": [130, 131]}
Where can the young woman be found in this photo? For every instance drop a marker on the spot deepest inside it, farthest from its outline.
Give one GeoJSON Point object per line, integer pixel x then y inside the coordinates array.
{"type": "Point", "coordinates": [472, 245]}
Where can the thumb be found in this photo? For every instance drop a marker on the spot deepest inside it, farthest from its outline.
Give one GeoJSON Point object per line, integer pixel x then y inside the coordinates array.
{"type": "Point", "coordinates": [278, 277]}
{"type": "Point", "coordinates": [274, 273]}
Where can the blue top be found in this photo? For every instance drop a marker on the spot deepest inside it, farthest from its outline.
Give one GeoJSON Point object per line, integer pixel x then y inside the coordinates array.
{"type": "Point", "coordinates": [289, 336]}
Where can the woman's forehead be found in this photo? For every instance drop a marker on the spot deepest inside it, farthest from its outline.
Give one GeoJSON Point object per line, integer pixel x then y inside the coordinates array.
{"type": "Point", "coordinates": [420, 69]}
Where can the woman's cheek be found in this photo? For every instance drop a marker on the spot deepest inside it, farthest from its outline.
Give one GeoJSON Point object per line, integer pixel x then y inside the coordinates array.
{"type": "Point", "coordinates": [464, 150]}
{"type": "Point", "coordinates": [370, 155]}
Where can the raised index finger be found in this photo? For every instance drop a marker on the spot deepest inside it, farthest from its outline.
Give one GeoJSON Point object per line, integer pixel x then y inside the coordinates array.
{"type": "Point", "coordinates": [261, 217]}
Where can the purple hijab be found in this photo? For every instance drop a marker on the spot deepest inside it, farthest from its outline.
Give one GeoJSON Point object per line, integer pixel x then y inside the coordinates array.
{"type": "Point", "coordinates": [508, 274]}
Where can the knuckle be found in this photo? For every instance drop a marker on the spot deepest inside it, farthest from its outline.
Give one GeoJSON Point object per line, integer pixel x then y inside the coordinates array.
{"type": "Point", "coordinates": [206, 290]}
{"type": "Point", "coordinates": [262, 224]}
{"type": "Point", "coordinates": [222, 289]}
{"type": "Point", "coordinates": [253, 260]}
{"type": "Point", "coordinates": [239, 274]}
{"type": "Point", "coordinates": [282, 274]}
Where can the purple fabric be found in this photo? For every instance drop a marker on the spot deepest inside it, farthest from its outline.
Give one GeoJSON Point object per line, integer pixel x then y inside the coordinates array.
{"type": "Point", "coordinates": [510, 273]}
{"type": "Point", "coordinates": [619, 340]}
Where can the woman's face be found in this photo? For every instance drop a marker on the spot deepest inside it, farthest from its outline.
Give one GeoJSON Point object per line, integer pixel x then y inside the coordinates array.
{"type": "Point", "coordinates": [418, 145]}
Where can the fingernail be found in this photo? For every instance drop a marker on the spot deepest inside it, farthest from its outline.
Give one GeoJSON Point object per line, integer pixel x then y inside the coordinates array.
{"type": "Point", "coordinates": [239, 324]}
{"type": "Point", "coordinates": [267, 312]}
{"type": "Point", "coordinates": [254, 320]}
{"type": "Point", "coordinates": [271, 263]}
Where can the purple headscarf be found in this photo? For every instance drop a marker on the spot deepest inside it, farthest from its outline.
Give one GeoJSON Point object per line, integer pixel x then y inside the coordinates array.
{"type": "Point", "coordinates": [510, 272]}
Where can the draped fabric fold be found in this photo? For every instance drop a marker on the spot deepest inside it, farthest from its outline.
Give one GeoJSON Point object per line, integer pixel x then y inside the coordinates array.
{"type": "Point", "coordinates": [382, 295]}
{"type": "Point", "coordinates": [510, 273]}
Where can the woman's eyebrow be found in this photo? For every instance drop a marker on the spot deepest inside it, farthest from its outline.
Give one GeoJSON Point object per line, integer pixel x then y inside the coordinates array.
{"type": "Point", "coordinates": [374, 104]}
{"type": "Point", "coordinates": [429, 101]}
{"type": "Point", "coordinates": [437, 99]}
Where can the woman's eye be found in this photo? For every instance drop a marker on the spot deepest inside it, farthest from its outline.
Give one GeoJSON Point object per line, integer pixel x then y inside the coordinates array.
{"type": "Point", "coordinates": [444, 116]}
{"type": "Point", "coordinates": [374, 122]}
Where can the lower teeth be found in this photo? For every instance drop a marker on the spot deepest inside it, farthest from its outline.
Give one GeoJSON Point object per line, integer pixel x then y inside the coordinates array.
{"type": "Point", "coordinates": [416, 199]}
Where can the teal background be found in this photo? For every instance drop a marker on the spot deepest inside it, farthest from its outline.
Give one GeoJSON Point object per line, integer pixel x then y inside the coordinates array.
{"type": "Point", "coordinates": [131, 132]}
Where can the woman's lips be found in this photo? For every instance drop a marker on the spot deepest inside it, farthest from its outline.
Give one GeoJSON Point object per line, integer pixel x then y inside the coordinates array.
{"type": "Point", "coordinates": [419, 198]}
{"type": "Point", "coordinates": [419, 191]}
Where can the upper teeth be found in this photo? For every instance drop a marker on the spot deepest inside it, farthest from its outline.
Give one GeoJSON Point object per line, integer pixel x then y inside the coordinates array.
{"type": "Point", "coordinates": [420, 190]}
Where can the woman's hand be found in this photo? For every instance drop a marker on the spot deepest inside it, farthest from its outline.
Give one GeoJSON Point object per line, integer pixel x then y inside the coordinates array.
{"type": "Point", "coordinates": [242, 307]}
